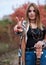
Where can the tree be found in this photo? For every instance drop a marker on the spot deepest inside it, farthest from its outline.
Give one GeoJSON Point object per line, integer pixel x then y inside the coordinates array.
{"type": "Point", "coordinates": [5, 24]}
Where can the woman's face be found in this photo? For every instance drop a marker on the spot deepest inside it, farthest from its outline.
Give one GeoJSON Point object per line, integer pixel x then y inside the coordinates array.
{"type": "Point", "coordinates": [31, 13]}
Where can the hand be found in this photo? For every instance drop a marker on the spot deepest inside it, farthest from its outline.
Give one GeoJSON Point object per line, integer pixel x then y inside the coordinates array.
{"type": "Point", "coordinates": [18, 27]}
{"type": "Point", "coordinates": [38, 49]}
{"type": "Point", "coordinates": [39, 44]}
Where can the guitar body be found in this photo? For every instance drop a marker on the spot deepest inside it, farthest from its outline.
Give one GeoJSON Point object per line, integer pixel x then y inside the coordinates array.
{"type": "Point", "coordinates": [42, 60]}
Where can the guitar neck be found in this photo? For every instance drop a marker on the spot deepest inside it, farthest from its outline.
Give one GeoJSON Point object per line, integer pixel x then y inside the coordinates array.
{"type": "Point", "coordinates": [38, 61]}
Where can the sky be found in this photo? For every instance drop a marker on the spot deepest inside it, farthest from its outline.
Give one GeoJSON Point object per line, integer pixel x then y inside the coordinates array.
{"type": "Point", "coordinates": [7, 6]}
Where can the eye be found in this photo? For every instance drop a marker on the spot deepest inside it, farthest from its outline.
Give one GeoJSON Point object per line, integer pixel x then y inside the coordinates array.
{"type": "Point", "coordinates": [33, 10]}
{"type": "Point", "coordinates": [29, 10]}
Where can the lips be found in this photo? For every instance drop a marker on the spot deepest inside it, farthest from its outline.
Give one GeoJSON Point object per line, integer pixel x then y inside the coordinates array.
{"type": "Point", "coordinates": [31, 15]}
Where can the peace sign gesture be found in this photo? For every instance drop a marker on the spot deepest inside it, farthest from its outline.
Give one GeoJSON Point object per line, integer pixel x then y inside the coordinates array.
{"type": "Point", "coordinates": [18, 27]}
{"type": "Point", "coordinates": [19, 20]}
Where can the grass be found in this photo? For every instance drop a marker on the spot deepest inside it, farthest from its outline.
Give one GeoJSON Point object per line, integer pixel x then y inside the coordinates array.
{"type": "Point", "coordinates": [6, 57]}
{"type": "Point", "coordinates": [4, 48]}
{"type": "Point", "coordinates": [6, 61]}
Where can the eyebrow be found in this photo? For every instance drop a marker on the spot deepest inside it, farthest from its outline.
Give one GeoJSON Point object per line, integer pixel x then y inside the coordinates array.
{"type": "Point", "coordinates": [31, 10]}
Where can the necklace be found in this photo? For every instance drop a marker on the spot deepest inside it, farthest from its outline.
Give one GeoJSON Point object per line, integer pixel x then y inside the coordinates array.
{"type": "Point", "coordinates": [37, 34]}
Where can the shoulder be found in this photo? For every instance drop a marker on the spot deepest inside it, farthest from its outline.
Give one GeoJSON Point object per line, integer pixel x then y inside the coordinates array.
{"type": "Point", "coordinates": [25, 25]}
{"type": "Point", "coordinates": [44, 29]}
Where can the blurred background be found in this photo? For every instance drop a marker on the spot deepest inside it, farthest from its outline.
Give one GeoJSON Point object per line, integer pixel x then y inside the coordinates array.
{"type": "Point", "coordinates": [8, 39]}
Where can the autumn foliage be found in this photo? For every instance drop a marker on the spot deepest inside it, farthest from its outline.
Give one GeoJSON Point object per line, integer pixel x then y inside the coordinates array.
{"type": "Point", "coordinates": [21, 11]}
{"type": "Point", "coordinates": [7, 33]}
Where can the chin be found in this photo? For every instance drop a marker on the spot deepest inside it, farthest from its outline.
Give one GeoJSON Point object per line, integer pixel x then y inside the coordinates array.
{"type": "Point", "coordinates": [32, 18]}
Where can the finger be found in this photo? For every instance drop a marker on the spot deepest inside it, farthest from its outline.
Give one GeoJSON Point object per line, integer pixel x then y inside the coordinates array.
{"type": "Point", "coordinates": [22, 19]}
{"type": "Point", "coordinates": [19, 23]}
{"type": "Point", "coordinates": [17, 19]}
{"type": "Point", "coordinates": [15, 29]}
{"type": "Point", "coordinates": [20, 30]}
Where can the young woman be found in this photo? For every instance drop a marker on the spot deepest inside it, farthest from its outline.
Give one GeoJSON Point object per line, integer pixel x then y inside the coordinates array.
{"type": "Point", "coordinates": [34, 33]}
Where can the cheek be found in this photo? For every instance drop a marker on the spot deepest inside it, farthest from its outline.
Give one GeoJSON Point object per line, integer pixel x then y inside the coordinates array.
{"type": "Point", "coordinates": [34, 14]}
{"type": "Point", "coordinates": [29, 14]}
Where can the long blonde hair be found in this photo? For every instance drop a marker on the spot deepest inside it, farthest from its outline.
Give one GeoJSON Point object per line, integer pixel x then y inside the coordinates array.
{"type": "Point", "coordinates": [38, 22]}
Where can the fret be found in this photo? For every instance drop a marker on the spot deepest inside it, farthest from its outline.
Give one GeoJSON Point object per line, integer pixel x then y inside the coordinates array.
{"type": "Point", "coordinates": [37, 61]}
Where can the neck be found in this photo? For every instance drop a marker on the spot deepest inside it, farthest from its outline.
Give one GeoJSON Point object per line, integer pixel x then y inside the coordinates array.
{"type": "Point", "coordinates": [33, 25]}
{"type": "Point", "coordinates": [32, 21]}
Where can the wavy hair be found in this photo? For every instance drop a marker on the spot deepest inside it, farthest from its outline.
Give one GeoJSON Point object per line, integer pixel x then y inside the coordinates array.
{"type": "Point", "coordinates": [38, 22]}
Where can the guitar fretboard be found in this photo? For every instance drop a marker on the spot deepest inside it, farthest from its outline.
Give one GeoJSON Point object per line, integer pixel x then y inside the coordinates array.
{"type": "Point", "coordinates": [38, 61]}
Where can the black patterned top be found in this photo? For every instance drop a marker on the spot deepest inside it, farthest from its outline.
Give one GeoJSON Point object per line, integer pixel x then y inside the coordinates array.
{"type": "Point", "coordinates": [33, 36]}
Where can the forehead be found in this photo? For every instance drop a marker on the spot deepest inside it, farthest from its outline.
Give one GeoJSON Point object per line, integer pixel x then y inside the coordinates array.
{"type": "Point", "coordinates": [31, 8]}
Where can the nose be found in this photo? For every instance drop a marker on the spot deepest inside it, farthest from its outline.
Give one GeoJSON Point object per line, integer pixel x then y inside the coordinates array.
{"type": "Point", "coordinates": [32, 12]}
